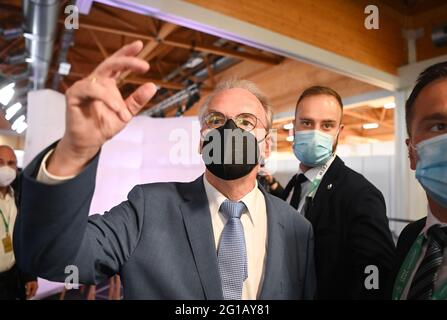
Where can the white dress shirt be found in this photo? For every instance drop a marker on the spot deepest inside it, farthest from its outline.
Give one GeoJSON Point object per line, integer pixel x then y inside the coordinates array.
{"type": "Point", "coordinates": [310, 174]}
{"type": "Point", "coordinates": [9, 209]}
{"type": "Point", "coordinates": [254, 223]}
{"type": "Point", "coordinates": [442, 273]}
{"type": "Point", "coordinates": [255, 232]}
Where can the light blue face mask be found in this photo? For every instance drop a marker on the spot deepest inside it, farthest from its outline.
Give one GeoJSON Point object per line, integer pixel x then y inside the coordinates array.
{"type": "Point", "coordinates": [431, 169]}
{"type": "Point", "coordinates": [313, 147]}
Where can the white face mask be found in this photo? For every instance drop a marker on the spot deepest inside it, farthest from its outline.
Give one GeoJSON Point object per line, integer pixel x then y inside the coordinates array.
{"type": "Point", "coordinates": [7, 175]}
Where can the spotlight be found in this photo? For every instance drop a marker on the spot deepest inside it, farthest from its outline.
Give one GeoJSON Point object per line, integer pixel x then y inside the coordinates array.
{"type": "Point", "coordinates": [12, 110]}
{"type": "Point", "coordinates": [6, 93]}
{"type": "Point", "coordinates": [369, 126]}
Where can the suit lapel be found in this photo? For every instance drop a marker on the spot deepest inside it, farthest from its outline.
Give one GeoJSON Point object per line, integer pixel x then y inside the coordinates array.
{"type": "Point", "coordinates": [197, 219]}
{"type": "Point", "coordinates": [275, 250]}
{"type": "Point", "coordinates": [328, 185]}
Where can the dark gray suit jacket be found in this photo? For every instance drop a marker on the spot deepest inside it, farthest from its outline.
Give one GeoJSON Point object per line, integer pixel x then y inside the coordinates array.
{"type": "Point", "coordinates": [160, 240]}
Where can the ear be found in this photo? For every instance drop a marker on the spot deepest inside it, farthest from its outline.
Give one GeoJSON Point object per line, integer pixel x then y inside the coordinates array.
{"type": "Point", "coordinates": [200, 146]}
{"type": "Point", "coordinates": [340, 130]}
{"type": "Point", "coordinates": [412, 155]}
{"type": "Point", "coordinates": [268, 145]}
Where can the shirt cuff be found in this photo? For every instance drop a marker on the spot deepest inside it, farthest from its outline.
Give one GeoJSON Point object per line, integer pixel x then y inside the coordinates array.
{"type": "Point", "coordinates": [45, 177]}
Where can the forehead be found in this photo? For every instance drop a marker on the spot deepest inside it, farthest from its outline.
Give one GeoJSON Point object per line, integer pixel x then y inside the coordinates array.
{"type": "Point", "coordinates": [232, 102]}
{"type": "Point", "coordinates": [7, 154]}
{"type": "Point", "coordinates": [432, 99]}
{"type": "Point", "coordinates": [319, 107]}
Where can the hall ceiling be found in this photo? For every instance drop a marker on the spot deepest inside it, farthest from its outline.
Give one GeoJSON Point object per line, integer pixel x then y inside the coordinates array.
{"type": "Point", "coordinates": [181, 56]}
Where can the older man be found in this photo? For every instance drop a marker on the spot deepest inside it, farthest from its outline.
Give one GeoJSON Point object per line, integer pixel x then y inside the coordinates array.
{"type": "Point", "coordinates": [13, 283]}
{"type": "Point", "coordinates": [218, 237]}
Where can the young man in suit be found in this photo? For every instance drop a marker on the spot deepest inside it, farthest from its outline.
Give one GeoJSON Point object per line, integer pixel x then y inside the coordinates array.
{"type": "Point", "coordinates": [347, 212]}
{"type": "Point", "coordinates": [421, 263]}
{"type": "Point", "coordinates": [218, 237]}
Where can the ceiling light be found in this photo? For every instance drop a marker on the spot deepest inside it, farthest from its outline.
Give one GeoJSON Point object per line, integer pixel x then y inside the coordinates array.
{"type": "Point", "coordinates": [289, 138]}
{"type": "Point", "coordinates": [64, 68]}
{"type": "Point", "coordinates": [11, 32]}
{"type": "Point", "coordinates": [6, 93]}
{"type": "Point", "coordinates": [193, 62]}
{"type": "Point", "coordinates": [12, 110]}
{"type": "Point", "coordinates": [18, 122]}
{"type": "Point", "coordinates": [21, 127]}
{"type": "Point", "coordinates": [390, 105]}
{"type": "Point", "coordinates": [288, 126]}
{"type": "Point", "coordinates": [372, 125]}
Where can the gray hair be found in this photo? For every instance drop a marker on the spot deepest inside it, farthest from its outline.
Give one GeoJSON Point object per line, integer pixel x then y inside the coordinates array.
{"type": "Point", "coordinates": [241, 84]}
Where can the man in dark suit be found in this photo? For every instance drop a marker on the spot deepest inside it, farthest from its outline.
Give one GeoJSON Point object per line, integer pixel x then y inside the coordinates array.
{"type": "Point", "coordinates": [218, 237]}
{"type": "Point", "coordinates": [347, 212]}
{"type": "Point", "coordinates": [421, 260]}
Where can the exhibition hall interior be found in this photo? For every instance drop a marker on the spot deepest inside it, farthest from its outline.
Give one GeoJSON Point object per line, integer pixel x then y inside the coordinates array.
{"type": "Point", "coordinates": [369, 52]}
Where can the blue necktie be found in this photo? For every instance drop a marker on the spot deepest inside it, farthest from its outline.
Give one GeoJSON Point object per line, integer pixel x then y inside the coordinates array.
{"type": "Point", "coordinates": [232, 255]}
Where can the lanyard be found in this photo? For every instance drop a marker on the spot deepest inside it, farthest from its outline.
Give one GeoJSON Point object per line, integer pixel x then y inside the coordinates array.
{"type": "Point", "coordinates": [4, 221]}
{"type": "Point", "coordinates": [316, 182]}
{"type": "Point", "coordinates": [407, 269]}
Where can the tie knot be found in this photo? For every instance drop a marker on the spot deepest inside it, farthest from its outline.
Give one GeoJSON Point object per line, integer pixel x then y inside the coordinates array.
{"type": "Point", "coordinates": [301, 178]}
{"type": "Point", "coordinates": [438, 234]}
{"type": "Point", "coordinates": [232, 209]}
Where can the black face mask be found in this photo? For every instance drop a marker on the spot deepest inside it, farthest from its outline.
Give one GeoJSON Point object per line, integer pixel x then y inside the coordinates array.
{"type": "Point", "coordinates": [230, 152]}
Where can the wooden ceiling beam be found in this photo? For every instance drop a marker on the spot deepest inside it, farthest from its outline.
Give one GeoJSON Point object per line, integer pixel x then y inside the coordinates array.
{"type": "Point", "coordinates": [223, 52]}
{"type": "Point", "coordinates": [5, 50]}
{"type": "Point", "coordinates": [186, 45]}
{"type": "Point", "coordinates": [98, 44]}
{"type": "Point", "coordinates": [165, 30]}
{"type": "Point", "coordinates": [210, 70]}
{"type": "Point", "coordinates": [353, 114]}
{"type": "Point", "coordinates": [382, 115]}
{"type": "Point", "coordinates": [115, 17]}
{"type": "Point", "coordinates": [136, 80]}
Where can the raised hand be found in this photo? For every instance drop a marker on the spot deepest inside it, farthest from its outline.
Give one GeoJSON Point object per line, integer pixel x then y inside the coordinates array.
{"type": "Point", "coordinates": [96, 110]}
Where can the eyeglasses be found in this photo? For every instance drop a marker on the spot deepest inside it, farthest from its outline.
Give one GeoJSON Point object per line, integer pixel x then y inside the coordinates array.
{"type": "Point", "coordinates": [245, 121]}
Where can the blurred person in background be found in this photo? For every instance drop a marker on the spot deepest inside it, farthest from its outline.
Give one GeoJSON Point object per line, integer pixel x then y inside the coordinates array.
{"type": "Point", "coordinates": [13, 283]}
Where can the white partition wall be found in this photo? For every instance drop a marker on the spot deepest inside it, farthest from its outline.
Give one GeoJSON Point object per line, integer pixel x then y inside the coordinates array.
{"type": "Point", "coordinates": [147, 150]}
{"type": "Point", "coordinates": [46, 121]}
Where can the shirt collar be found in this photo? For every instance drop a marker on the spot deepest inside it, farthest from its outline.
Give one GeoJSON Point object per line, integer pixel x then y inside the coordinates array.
{"type": "Point", "coordinates": [215, 199]}
{"type": "Point", "coordinates": [312, 173]}
{"type": "Point", "coordinates": [9, 193]}
{"type": "Point", "coordinates": [431, 221]}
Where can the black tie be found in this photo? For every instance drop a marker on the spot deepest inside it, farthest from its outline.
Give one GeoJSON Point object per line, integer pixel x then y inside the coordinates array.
{"type": "Point", "coordinates": [423, 282]}
{"type": "Point", "coordinates": [296, 196]}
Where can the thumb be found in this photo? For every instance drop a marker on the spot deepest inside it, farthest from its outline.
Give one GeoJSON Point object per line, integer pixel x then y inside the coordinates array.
{"type": "Point", "coordinates": [140, 97]}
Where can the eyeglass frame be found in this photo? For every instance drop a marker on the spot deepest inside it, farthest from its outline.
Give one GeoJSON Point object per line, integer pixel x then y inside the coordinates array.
{"type": "Point", "coordinates": [232, 118]}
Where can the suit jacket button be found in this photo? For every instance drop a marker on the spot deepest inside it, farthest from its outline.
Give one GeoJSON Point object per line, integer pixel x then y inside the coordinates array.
{"type": "Point", "coordinates": [329, 186]}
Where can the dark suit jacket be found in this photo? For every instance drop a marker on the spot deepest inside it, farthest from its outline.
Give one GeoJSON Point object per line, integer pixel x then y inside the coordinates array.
{"type": "Point", "coordinates": [351, 231]}
{"type": "Point", "coordinates": [406, 239]}
{"type": "Point", "coordinates": [160, 240]}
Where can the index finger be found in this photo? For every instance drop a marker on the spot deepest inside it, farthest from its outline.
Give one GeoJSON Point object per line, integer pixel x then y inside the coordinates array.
{"type": "Point", "coordinates": [112, 65]}
{"type": "Point", "coordinates": [131, 49]}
